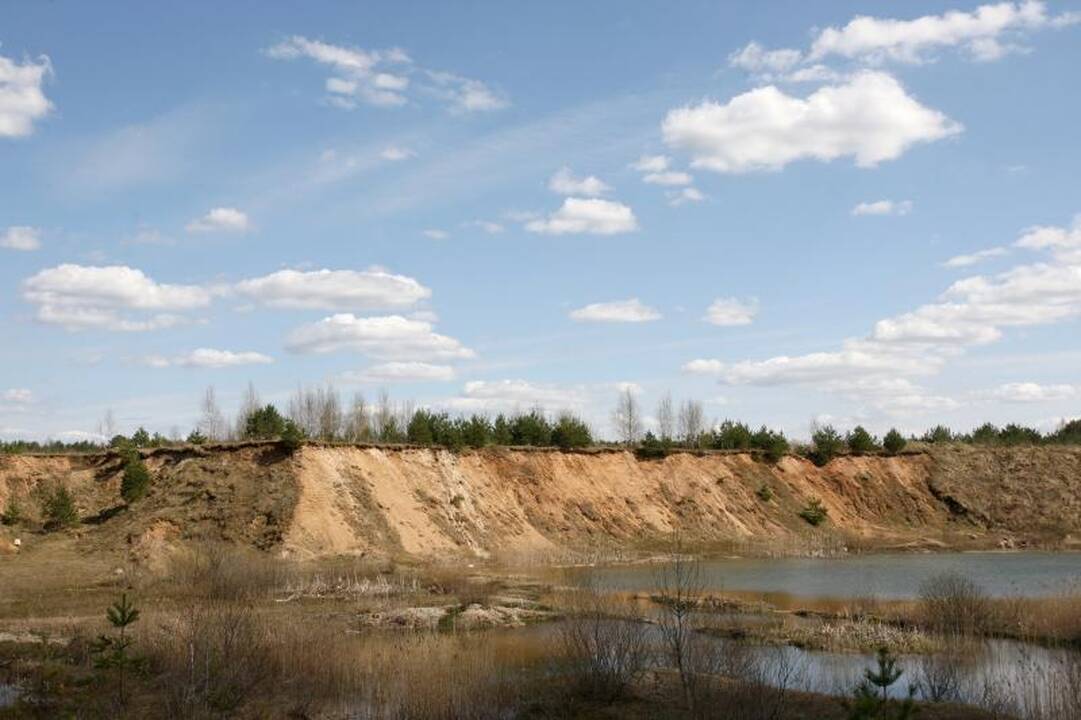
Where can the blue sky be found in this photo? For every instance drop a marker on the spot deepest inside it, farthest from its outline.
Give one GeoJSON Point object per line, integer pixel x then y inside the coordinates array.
{"type": "Point", "coordinates": [862, 212]}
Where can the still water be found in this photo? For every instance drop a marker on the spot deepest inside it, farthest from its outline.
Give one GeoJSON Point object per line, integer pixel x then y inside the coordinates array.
{"type": "Point", "coordinates": [1000, 574]}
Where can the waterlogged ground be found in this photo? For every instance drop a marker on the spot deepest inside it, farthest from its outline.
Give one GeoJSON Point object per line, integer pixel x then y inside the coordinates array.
{"type": "Point", "coordinates": [886, 577]}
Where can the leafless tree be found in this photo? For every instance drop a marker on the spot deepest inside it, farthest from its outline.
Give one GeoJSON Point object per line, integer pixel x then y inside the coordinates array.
{"type": "Point", "coordinates": [678, 588]}
{"type": "Point", "coordinates": [358, 424]}
{"type": "Point", "coordinates": [665, 417]}
{"type": "Point", "coordinates": [317, 411]}
{"type": "Point", "coordinates": [383, 415]}
{"type": "Point", "coordinates": [212, 423]}
{"type": "Point", "coordinates": [330, 413]}
{"type": "Point", "coordinates": [107, 426]}
{"type": "Point", "coordinates": [249, 403]}
{"type": "Point", "coordinates": [627, 418]}
{"type": "Point", "coordinates": [691, 422]}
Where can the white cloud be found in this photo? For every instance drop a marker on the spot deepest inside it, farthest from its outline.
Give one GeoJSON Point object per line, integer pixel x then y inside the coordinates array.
{"type": "Point", "coordinates": [22, 99]}
{"type": "Point", "coordinates": [972, 311]}
{"type": "Point", "coordinates": [564, 182]}
{"type": "Point", "coordinates": [731, 311]}
{"type": "Point", "coordinates": [390, 337]}
{"type": "Point", "coordinates": [465, 94]}
{"type": "Point", "coordinates": [82, 297]}
{"type": "Point", "coordinates": [512, 395]}
{"type": "Point", "coordinates": [221, 219]}
{"type": "Point", "coordinates": [383, 78]}
{"type": "Point", "coordinates": [883, 207]}
{"type": "Point", "coordinates": [757, 60]}
{"type": "Point", "coordinates": [669, 177]}
{"type": "Point", "coordinates": [1064, 243]}
{"type": "Point", "coordinates": [987, 33]}
{"type": "Point", "coordinates": [870, 118]}
{"type": "Point", "coordinates": [587, 215]}
{"type": "Point", "coordinates": [21, 237]}
{"type": "Point", "coordinates": [395, 153]}
{"type": "Point", "coordinates": [436, 234]}
{"type": "Point", "coordinates": [703, 366]}
{"type": "Point", "coordinates": [684, 196]}
{"type": "Point", "coordinates": [974, 258]}
{"type": "Point", "coordinates": [492, 228]}
{"type": "Point", "coordinates": [651, 163]}
{"type": "Point", "coordinates": [621, 311]}
{"type": "Point", "coordinates": [18, 396]}
{"type": "Point", "coordinates": [325, 289]}
{"type": "Point", "coordinates": [401, 372]}
{"type": "Point", "coordinates": [1030, 392]}
{"type": "Point", "coordinates": [209, 358]}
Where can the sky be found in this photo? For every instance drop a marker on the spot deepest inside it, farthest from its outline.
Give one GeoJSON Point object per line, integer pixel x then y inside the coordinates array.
{"type": "Point", "coordinates": [792, 212]}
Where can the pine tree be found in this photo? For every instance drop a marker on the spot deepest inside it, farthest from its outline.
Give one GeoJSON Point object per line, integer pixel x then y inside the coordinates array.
{"type": "Point", "coordinates": [136, 480]}
{"type": "Point", "coordinates": [111, 653]}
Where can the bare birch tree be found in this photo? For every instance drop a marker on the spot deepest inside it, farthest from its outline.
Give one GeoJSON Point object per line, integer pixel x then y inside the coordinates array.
{"type": "Point", "coordinates": [249, 403]}
{"type": "Point", "coordinates": [665, 417]}
{"type": "Point", "coordinates": [627, 418]}
{"type": "Point", "coordinates": [212, 422]}
{"type": "Point", "coordinates": [358, 425]}
{"type": "Point", "coordinates": [691, 422]}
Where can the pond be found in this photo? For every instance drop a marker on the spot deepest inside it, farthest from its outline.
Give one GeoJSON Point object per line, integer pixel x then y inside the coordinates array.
{"type": "Point", "coordinates": [887, 577]}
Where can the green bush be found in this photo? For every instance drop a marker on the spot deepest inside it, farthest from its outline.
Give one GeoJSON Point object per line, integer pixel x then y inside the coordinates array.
{"type": "Point", "coordinates": [731, 435]}
{"type": "Point", "coordinates": [1069, 432]}
{"type": "Point", "coordinates": [764, 493]}
{"type": "Point", "coordinates": [292, 437]}
{"type": "Point", "coordinates": [13, 512]}
{"type": "Point", "coordinates": [476, 431]}
{"type": "Point", "coordinates": [58, 507]}
{"type": "Point", "coordinates": [814, 512]}
{"type": "Point", "coordinates": [264, 423]}
{"type": "Point", "coordinates": [828, 444]}
{"type": "Point", "coordinates": [1019, 435]}
{"type": "Point", "coordinates": [894, 442]}
{"type": "Point", "coordinates": [141, 438]}
{"type": "Point", "coordinates": [986, 434]}
{"type": "Point", "coordinates": [773, 444]}
{"type": "Point", "coordinates": [651, 448]}
{"type": "Point", "coordinates": [861, 441]}
{"type": "Point", "coordinates": [136, 481]}
{"type": "Point", "coordinates": [571, 432]}
{"type": "Point", "coordinates": [531, 429]}
{"type": "Point", "coordinates": [419, 430]}
{"type": "Point", "coordinates": [196, 438]}
{"type": "Point", "coordinates": [938, 434]}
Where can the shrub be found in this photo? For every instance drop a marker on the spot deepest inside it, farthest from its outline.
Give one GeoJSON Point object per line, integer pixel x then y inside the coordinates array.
{"type": "Point", "coordinates": [141, 438]}
{"type": "Point", "coordinates": [264, 423]}
{"type": "Point", "coordinates": [13, 512]}
{"type": "Point", "coordinates": [476, 431]}
{"type": "Point", "coordinates": [731, 435]}
{"type": "Point", "coordinates": [894, 442]}
{"type": "Point", "coordinates": [196, 438]}
{"type": "Point", "coordinates": [531, 429]}
{"type": "Point", "coordinates": [938, 434]}
{"type": "Point", "coordinates": [571, 432]}
{"type": "Point", "coordinates": [814, 512]}
{"type": "Point", "coordinates": [774, 445]}
{"type": "Point", "coordinates": [651, 448]}
{"type": "Point", "coordinates": [501, 431]}
{"type": "Point", "coordinates": [954, 604]}
{"type": "Point", "coordinates": [58, 506]}
{"type": "Point", "coordinates": [136, 480]}
{"type": "Point", "coordinates": [292, 436]}
{"type": "Point", "coordinates": [871, 698]}
{"type": "Point", "coordinates": [1069, 432]}
{"type": "Point", "coordinates": [764, 493]}
{"type": "Point", "coordinates": [828, 443]}
{"type": "Point", "coordinates": [861, 441]}
{"type": "Point", "coordinates": [419, 430]}
{"type": "Point", "coordinates": [1019, 435]}
{"type": "Point", "coordinates": [986, 434]}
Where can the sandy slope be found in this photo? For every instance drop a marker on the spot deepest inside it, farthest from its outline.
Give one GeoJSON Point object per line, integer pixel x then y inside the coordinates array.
{"type": "Point", "coordinates": [327, 500]}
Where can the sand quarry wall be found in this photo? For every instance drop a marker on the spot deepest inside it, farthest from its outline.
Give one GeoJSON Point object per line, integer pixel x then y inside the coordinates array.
{"type": "Point", "coordinates": [327, 500]}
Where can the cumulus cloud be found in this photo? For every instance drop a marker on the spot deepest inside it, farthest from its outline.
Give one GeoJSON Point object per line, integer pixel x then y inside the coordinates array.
{"type": "Point", "coordinates": [18, 396]}
{"type": "Point", "coordinates": [21, 237]}
{"type": "Point", "coordinates": [1063, 243]}
{"type": "Point", "coordinates": [972, 311]}
{"type": "Point", "coordinates": [374, 288]}
{"type": "Point", "coordinates": [22, 97]}
{"type": "Point", "coordinates": [391, 337]}
{"type": "Point", "coordinates": [564, 182]}
{"type": "Point", "coordinates": [883, 207]}
{"type": "Point", "coordinates": [384, 78]}
{"type": "Point", "coordinates": [758, 60]}
{"type": "Point", "coordinates": [586, 215]}
{"type": "Point", "coordinates": [987, 33]}
{"type": "Point", "coordinates": [395, 153]}
{"type": "Point", "coordinates": [1030, 392]}
{"type": "Point", "coordinates": [401, 372]}
{"type": "Point", "coordinates": [684, 196]}
{"type": "Point", "coordinates": [209, 358]}
{"type": "Point", "coordinates": [113, 297]}
{"type": "Point", "coordinates": [728, 312]}
{"type": "Point", "coordinates": [974, 258]}
{"type": "Point", "coordinates": [620, 311]}
{"type": "Point", "coordinates": [651, 163]}
{"type": "Point", "coordinates": [221, 220]}
{"type": "Point", "coordinates": [870, 118]}
{"type": "Point", "coordinates": [512, 395]}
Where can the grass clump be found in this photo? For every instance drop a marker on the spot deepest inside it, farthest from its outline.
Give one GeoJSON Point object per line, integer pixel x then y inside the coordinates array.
{"type": "Point", "coordinates": [815, 513]}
